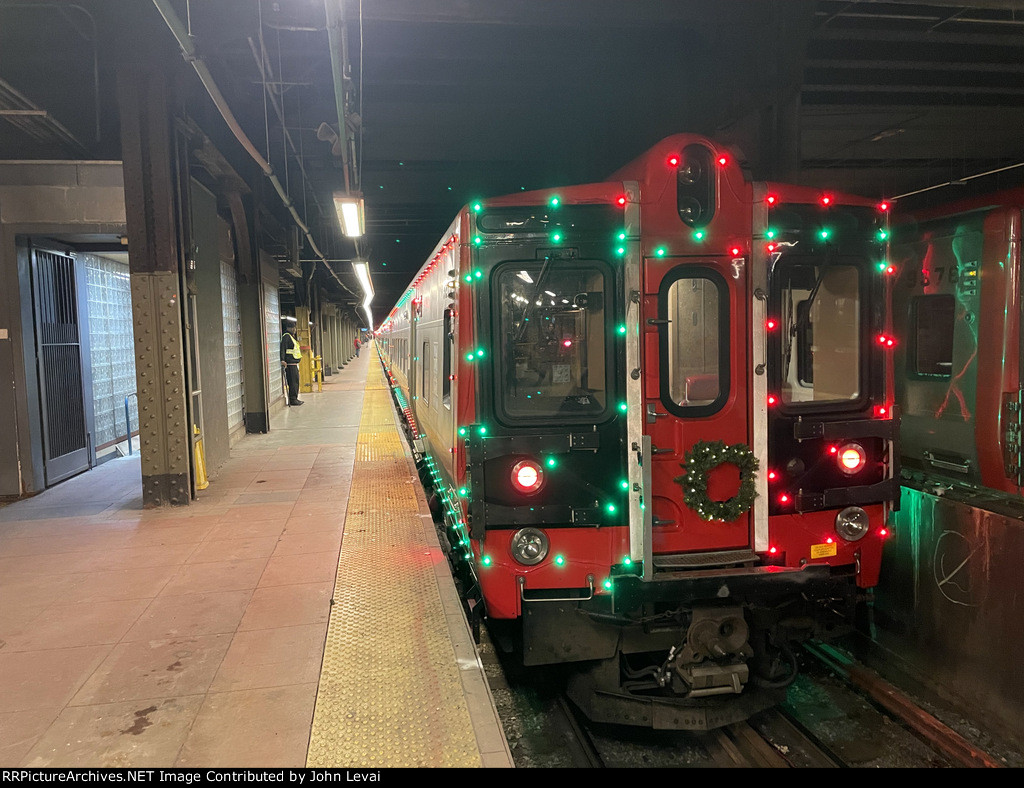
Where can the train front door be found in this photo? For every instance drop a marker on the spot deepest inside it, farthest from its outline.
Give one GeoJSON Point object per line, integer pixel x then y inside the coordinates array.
{"type": "Point", "coordinates": [695, 361]}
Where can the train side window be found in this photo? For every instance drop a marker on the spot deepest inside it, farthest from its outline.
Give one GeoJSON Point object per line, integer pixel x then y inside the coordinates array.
{"type": "Point", "coordinates": [447, 341]}
{"type": "Point", "coordinates": [695, 342]}
{"type": "Point", "coordinates": [425, 374]}
{"type": "Point", "coordinates": [932, 321]}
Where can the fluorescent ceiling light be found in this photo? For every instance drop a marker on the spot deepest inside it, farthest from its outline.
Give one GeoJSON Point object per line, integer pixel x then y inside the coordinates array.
{"type": "Point", "coordinates": [350, 214]}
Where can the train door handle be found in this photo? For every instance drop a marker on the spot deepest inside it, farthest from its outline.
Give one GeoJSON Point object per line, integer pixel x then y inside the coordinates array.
{"type": "Point", "coordinates": [656, 450]}
{"type": "Point", "coordinates": [658, 321]}
{"type": "Point", "coordinates": [652, 413]}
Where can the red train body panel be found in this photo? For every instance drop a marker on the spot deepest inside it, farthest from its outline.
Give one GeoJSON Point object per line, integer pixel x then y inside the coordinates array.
{"type": "Point", "coordinates": [656, 414]}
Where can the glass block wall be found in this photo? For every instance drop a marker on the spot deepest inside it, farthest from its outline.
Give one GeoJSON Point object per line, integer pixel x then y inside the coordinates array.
{"type": "Point", "coordinates": [232, 347]}
{"type": "Point", "coordinates": [272, 326]}
{"type": "Point", "coordinates": [111, 346]}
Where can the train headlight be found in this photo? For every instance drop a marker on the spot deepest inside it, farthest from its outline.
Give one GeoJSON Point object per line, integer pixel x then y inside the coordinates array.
{"type": "Point", "coordinates": [527, 476]}
{"type": "Point", "coordinates": [851, 458]}
{"type": "Point", "coordinates": [529, 546]}
{"type": "Point", "coordinates": [852, 523]}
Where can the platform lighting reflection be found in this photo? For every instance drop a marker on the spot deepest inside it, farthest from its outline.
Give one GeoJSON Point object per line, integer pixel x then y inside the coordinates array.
{"type": "Point", "coordinates": [362, 271]}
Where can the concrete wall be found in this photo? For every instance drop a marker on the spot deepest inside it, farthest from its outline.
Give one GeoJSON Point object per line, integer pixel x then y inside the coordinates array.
{"type": "Point", "coordinates": [950, 602]}
{"type": "Point", "coordinates": [39, 198]}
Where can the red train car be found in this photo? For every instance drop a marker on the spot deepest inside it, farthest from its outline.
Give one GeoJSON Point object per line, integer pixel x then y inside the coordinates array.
{"type": "Point", "coordinates": [957, 307]}
{"type": "Point", "coordinates": [657, 416]}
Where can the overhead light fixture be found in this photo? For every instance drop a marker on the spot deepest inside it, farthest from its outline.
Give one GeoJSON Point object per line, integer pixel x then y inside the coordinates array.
{"type": "Point", "coordinates": [350, 214]}
{"type": "Point", "coordinates": [363, 275]}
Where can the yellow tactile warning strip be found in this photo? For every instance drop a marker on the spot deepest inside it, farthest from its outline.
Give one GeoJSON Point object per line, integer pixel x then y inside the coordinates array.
{"type": "Point", "coordinates": [390, 693]}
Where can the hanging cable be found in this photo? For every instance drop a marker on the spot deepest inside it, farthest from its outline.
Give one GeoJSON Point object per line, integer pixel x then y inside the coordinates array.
{"type": "Point", "coordinates": [958, 182]}
{"type": "Point", "coordinates": [188, 51]}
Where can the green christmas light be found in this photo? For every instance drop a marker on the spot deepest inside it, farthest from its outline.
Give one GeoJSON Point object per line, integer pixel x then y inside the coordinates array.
{"type": "Point", "coordinates": [462, 430]}
{"type": "Point", "coordinates": [480, 353]}
{"type": "Point", "coordinates": [477, 207]}
{"type": "Point", "coordinates": [556, 238]}
{"type": "Point", "coordinates": [551, 462]}
{"type": "Point", "coordinates": [486, 560]}
{"type": "Point", "coordinates": [463, 491]}
{"type": "Point", "coordinates": [622, 328]}
{"type": "Point", "coordinates": [627, 561]}
{"type": "Point", "coordinates": [478, 274]}
{"type": "Point", "coordinates": [660, 251]}
{"type": "Point", "coordinates": [623, 407]}
{"type": "Point", "coordinates": [554, 202]}
{"type": "Point", "coordinates": [824, 234]}
{"type": "Point", "coordinates": [611, 508]}
{"type": "Point", "coordinates": [882, 235]}
{"type": "Point", "coordinates": [620, 251]}
{"type": "Point", "coordinates": [468, 277]}
{"type": "Point", "coordinates": [624, 484]}
{"type": "Point", "coordinates": [882, 267]}
{"type": "Point", "coordinates": [622, 236]}
{"type": "Point", "coordinates": [698, 235]}
{"type": "Point", "coordinates": [769, 234]}
{"type": "Point", "coordinates": [559, 560]}
{"type": "Point", "coordinates": [478, 240]}
{"type": "Point", "coordinates": [470, 357]}
{"type": "Point", "coordinates": [608, 584]}
{"type": "Point", "coordinates": [482, 430]}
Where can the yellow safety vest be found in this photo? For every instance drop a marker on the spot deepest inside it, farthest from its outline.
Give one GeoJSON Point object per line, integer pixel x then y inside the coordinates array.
{"type": "Point", "coordinates": [294, 351]}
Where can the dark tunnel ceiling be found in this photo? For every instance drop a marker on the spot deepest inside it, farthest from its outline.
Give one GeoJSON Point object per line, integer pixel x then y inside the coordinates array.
{"type": "Point", "coordinates": [458, 100]}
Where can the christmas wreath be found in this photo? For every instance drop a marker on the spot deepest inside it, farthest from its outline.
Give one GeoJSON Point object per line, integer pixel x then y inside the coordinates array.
{"type": "Point", "coordinates": [702, 457]}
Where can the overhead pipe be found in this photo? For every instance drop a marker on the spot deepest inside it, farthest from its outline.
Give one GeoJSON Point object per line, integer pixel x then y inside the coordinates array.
{"type": "Point", "coordinates": [188, 51]}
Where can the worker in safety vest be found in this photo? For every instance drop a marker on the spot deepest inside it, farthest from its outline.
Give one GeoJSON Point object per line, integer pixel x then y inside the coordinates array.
{"type": "Point", "coordinates": [291, 355]}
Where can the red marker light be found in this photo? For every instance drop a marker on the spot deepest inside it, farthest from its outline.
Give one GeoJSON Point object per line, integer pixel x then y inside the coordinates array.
{"type": "Point", "coordinates": [673, 160]}
{"type": "Point", "coordinates": [772, 476]}
{"type": "Point", "coordinates": [883, 531]}
{"type": "Point", "coordinates": [771, 199]}
{"type": "Point", "coordinates": [833, 449]}
{"type": "Point", "coordinates": [825, 200]}
{"type": "Point", "coordinates": [828, 540]}
{"type": "Point", "coordinates": [567, 343]}
{"type": "Point", "coordinates": [783, 498]}
{"type": "Point", "coordinates": [773, 550]}
{"type": "Point", "coordinates": [735, 251]}
{"type": "Point", "coordinates": [723, 160]}
{"type": "Point", "coordinates": [883, 206]}
{"type": "Point", "coordinates": [881, 411]}
{"type": "Point", "coordinates": [772, 399]}
{"type": "Point", "coordinates": [621, 199]}
{"type": "Point", "coordinates": [770, 324]}
{"type": "Point", "coordinates": [527, 476]}
{"type": "Point", "coordinates": [770, 247]}
{"type": "Point", "coordinates": [851, 458]}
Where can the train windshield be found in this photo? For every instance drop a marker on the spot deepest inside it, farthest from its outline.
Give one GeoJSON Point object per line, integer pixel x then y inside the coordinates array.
{"type": "Point", "coordinates": [821, 305]}
{"type": "Point", "coordinates": [551, 329]}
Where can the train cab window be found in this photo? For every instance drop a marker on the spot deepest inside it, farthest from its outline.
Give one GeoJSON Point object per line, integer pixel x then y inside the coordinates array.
{"type": "Point", "coordinates": [932, 320]}
{"type": "Point", "coordinates": [694, 343]}
{"type": "Point", "coordinates": [821, 309]}
{"type": "Point", "coordinates": [551, 329]}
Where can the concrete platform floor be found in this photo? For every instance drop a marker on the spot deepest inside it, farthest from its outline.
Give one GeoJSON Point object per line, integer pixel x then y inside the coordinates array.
{"type": "Point", "coordinates": [178, 637]}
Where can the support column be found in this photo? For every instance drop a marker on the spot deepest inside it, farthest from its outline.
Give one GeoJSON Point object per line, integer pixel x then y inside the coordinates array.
{"type": "Point", "coordinates": [152, 197]}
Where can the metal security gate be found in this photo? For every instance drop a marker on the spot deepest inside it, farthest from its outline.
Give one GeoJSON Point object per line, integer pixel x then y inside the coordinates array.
{"type": "Point", "coordinates": [59, 358]}
{"type": "Point", "coordinates": [233, 373]}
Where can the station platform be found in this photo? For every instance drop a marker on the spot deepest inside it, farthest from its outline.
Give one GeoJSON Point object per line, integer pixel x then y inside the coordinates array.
{"type": "Point", "coordinates": [299, 613]}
